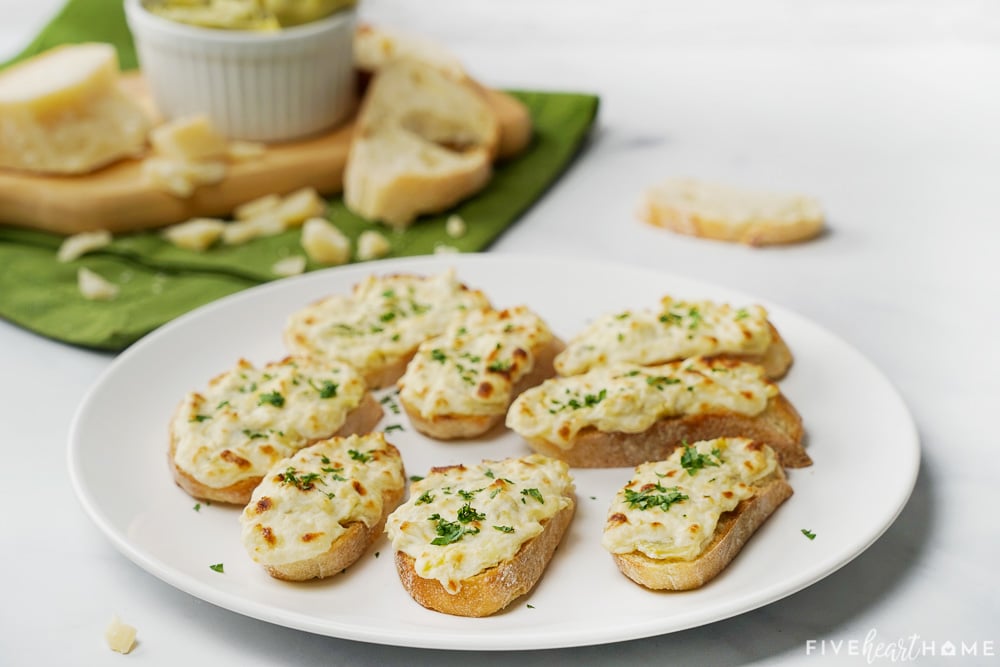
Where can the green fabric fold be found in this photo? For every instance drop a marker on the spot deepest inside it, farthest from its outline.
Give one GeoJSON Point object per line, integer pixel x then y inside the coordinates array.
{"type": "Point", "coordinates": [160, 281]}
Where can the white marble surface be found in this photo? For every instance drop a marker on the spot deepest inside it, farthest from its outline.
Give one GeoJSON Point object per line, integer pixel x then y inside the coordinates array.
{"type": "Point", "coordinates": [886, 110]}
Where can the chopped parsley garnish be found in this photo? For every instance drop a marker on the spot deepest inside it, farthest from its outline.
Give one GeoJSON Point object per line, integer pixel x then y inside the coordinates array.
{"type": "Point", "coordinates": [671, 318]}
{"type": "Point", "coordinates": [359, 456]}
{"type": "Point", "coordinates": [302, 482]}
{"type": "Point", "coordinates": [591, 400]}
{"type": "Point", "coordinates": [742, 313]}
{"type": "Point", "coordinates": [661, 381]}
{"type": "Point", "coordinates": [646, 498]}
{"type": "Point", "coordinates": [499, 366]}
{"type": "Point", "coordinates": [489, 473]}
{"type": "Point", "coordinates": [438, 355]}
{"type": "Point", "coordinates": [416, 478]}
{"type": "Point", "coordinates": [221, 405]}
{"type": "Point", "coordinates": [197, 507]}
{"type": "Point", "coordinates": [253, 435]}
{"type": "Point", "coordinates": [388, 400]}
{"type": "Point", "coordinates": [808, 533]}
{"type": "Point", "coordinates": [272, 398]}
{"type": "Point", "coordinates": [450, 532]}
{"type": "Point", "coordinates": [394, 427]}
{"type": "Point", "coordinates": [425, 497]}
{"type": "Point", "coordinates": [218, 567]}
{"type": "Point", "coordinates": [200, 418]}
{"type": "Point", "coordinates": [504, 529]}
{"type": "Point", "coordinates": [534, 493]}
{"type": "Point", "coordinates": [387, 316]}
{"type": "Point", "coordinates": [692, 460]}
{"type": "Point", "coordinates": [468, 495]}
{"type": "Point", "coordinates": [695, 316]}
{"type": "Point", "coordinates": [468, 514]}
{"type": "Point", "coordinates": [327, 389]}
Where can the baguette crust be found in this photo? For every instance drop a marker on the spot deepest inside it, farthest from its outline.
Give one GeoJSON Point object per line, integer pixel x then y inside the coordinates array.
{"type": "Point", "coordinates": [732, 532]}
{"type": "Point", "coordinates": [778, 426]}
{"type": "Point", "coordinates": [454, 426]}
{"type": "Point", "coordinates": [495, 588]}
{"type": "Point", "coordinates": [345, 550]}
{"type": "Point", "coordinates": [360, 420]}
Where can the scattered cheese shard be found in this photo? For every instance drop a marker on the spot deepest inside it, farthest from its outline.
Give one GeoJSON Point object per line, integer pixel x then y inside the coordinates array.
{"type": "Point", "coordinates": [372, 245]}
{"type": "Point", "coordinates": [180, 177]}
{"type": "Point", "coordinates": [119, 636]}
{"type": "Point", "coordinates": [189, 138]}
{"type": "Point", "coordinates": [256, 207]}
{"type": "Point", "coordinates": [301, 205]}
{"type": "Point", "coordinates": [94, 287]}
{"type": "Point", "coordinates": [80, 244]}
{"type": "Point", "coordinates": [62, 112]}
{"type": "Point", "coordinates": [289, 266]}
{"type": "Point", "coordinates": [197, 234]}
{"type": "Point", "coordinates": [454, 226]}
{"type": "Point", "coordinates": [324, 243]}
{"type": "Point", "coordinates": [245, 150]}
{"type": "Point", "coordinates": [241, 231]}
{"type": "Point", "coordinates": [442, 249]}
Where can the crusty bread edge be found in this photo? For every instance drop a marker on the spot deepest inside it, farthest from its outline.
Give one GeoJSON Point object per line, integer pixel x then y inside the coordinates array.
{"type": "Point", "coordinates": [360, 420]}
{"type": "Point", "coordinates": [493, 589]}
{"type": "Point", "coordinates": [345, 550]}
{"type": "Point", "coordinates": [454, 426]}
{"type": "Point", "coordinates": [778, 426]}
{"type": "Point", "coordinates": [733, 531]}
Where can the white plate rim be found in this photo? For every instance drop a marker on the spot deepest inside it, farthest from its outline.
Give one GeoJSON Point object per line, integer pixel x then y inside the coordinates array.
{"type": "Point", "coordinates": [470, 638]}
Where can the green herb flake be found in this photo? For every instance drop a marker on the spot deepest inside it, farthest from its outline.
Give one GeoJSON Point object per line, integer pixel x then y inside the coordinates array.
{"type": "Point", "coordinates": [504, 529]}
{"type": "Point", "coordinates": [438, 355]}
{"type": "Point", "coordinates": [646, 499]}
{"type": "Point", "coordinates": [218, 567]}
{"type": "Point", "coordinates": [273, 398]}
{"type": "Point", "coordinates": [692, 460]}
{"type": "Point", "coordinates": [197, 507]}
{"type": "Point", "coordinates": [327, 389]}
{"type": "Point", "coordinates": [361, 457]}
{"type": "Point", "coordinates": [416, 478]}
{"type": "Point", "coordinates": [808, 533]}
{"type": "Point", "coordinates": [394, 427]}
{"type": "Point", "coordinates": [200, 418]}
{"type": "Point", "coordinates": [425, 498]}
{"type": "Point", "coordinates": [534, 493]}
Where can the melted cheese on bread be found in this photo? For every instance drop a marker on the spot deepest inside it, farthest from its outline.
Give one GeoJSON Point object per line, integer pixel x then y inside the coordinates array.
{"type": "Point", "coordinates": [305, 502]}
{"type": "Point", "coordinates": [670, 509]}
{"type": "Point", "coordinates": [627, 398]}
{"type": "Point", "coordinates": [678, 330]}
{"type": "Point", "coordinates": [471, 369]}
{"type": "Point", "coordinates": [382, 321]}
{"type": "Point", "coordinates": [248, 418]}
{"type": "Point", "coordinates": [461, 520]}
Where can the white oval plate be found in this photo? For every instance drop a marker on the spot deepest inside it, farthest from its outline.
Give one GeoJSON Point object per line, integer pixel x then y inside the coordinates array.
{"type": "Point", "coordinates": [860, 436]}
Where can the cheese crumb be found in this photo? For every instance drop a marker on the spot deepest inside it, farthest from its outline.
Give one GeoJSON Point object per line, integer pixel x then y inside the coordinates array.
{"type": "Point", "coordinates": [119, 636]}
{"type": "Point", "coordinates": [442, 249]}
{"type": "Point", "coordinates": [455, 226]}
{"type": "Point", "coordinates": [93, 287]}
{"type": "Point", "coordinates": [197, 234]}
{"type": "Point", "coordinates": [189, 139]}
{"type": "Point", "coordinates": [258, 206]}
{"type": "Point", "coordinates": [289, 266]}
{"type": "Point", "coordinates": [80, 244]}
{"type": "Point", "coordinates": [180, 177]}
{"type": "Point", "coordinates": [372, 245]}
{"type": "Point", "coordinates": [241, 231]}
{"type": "Point", "coordinates": [324, 243]}
{"type": "Point", "coordinates": [239, 151]}
{"type": "Point", "coordinates": [299, 206]}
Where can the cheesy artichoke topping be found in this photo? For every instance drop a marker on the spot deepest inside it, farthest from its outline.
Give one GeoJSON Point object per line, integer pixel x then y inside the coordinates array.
{"type": "Point", "coordinates": [626, 398]}
{"type": "Point", "coordinates": [471, 369]}
{"type": "Point", "coordinates": [248, 418]}
{"type": "Point", "coordinates": [678, 330]}
{"type": "Point", "coordinates": [305, 502]}
{"type": "Point", "coordinates": [383, 320]}
{"type": "Point", "coordinates": [670, 509]}
{"type": "Point", "coordinates": [460, 520]}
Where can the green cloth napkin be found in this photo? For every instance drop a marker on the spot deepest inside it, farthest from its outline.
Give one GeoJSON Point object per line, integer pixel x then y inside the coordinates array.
{"type": "Point", "coordinates": [159, 282]}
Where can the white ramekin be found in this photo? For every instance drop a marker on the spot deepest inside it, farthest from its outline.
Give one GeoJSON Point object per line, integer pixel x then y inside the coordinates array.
{"type": "Point", "coordinates": [271, 86]}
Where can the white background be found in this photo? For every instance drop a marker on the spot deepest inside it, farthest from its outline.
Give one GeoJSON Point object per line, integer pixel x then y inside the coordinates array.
{"type": "Point", "coordinates": [886, 111]}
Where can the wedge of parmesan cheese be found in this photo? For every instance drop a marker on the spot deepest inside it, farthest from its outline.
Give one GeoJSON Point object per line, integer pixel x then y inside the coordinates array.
{"type": "Point", "coordinates": [62, 112]}
{"type": "Point", "coordinates": [119, 636]}
{"type": "Point", "coordinates": [189, 138]}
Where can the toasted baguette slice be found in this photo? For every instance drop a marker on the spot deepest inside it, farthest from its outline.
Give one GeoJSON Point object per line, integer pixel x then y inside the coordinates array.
{"type": "Point", "coordinates": [625, 415]}
{"type": "Point", "coordinates": [689, 566]}
{"type": "Point", "coordinates": [378, 327]}
{"type": "Point", "coordinates": [460, 384]}
{"type": "Point", "coordinates": [710, 210]}
{"type": "Point", "coordinates": [316, 512]}
{"type": "Point", "coordinates": [374, 47]}
{"type": "Point", "coordinates": [223, 440]}
{"type": "Point", "coordinates": [471, 540]}
{"type": "Point", "coordinates": [423, 141]}
{"type": "Point", "coordinates": [678, 329]}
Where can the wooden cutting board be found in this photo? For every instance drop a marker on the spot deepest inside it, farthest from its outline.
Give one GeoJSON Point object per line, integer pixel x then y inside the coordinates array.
{"type": "Point", "coordinates": [116, 198]}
